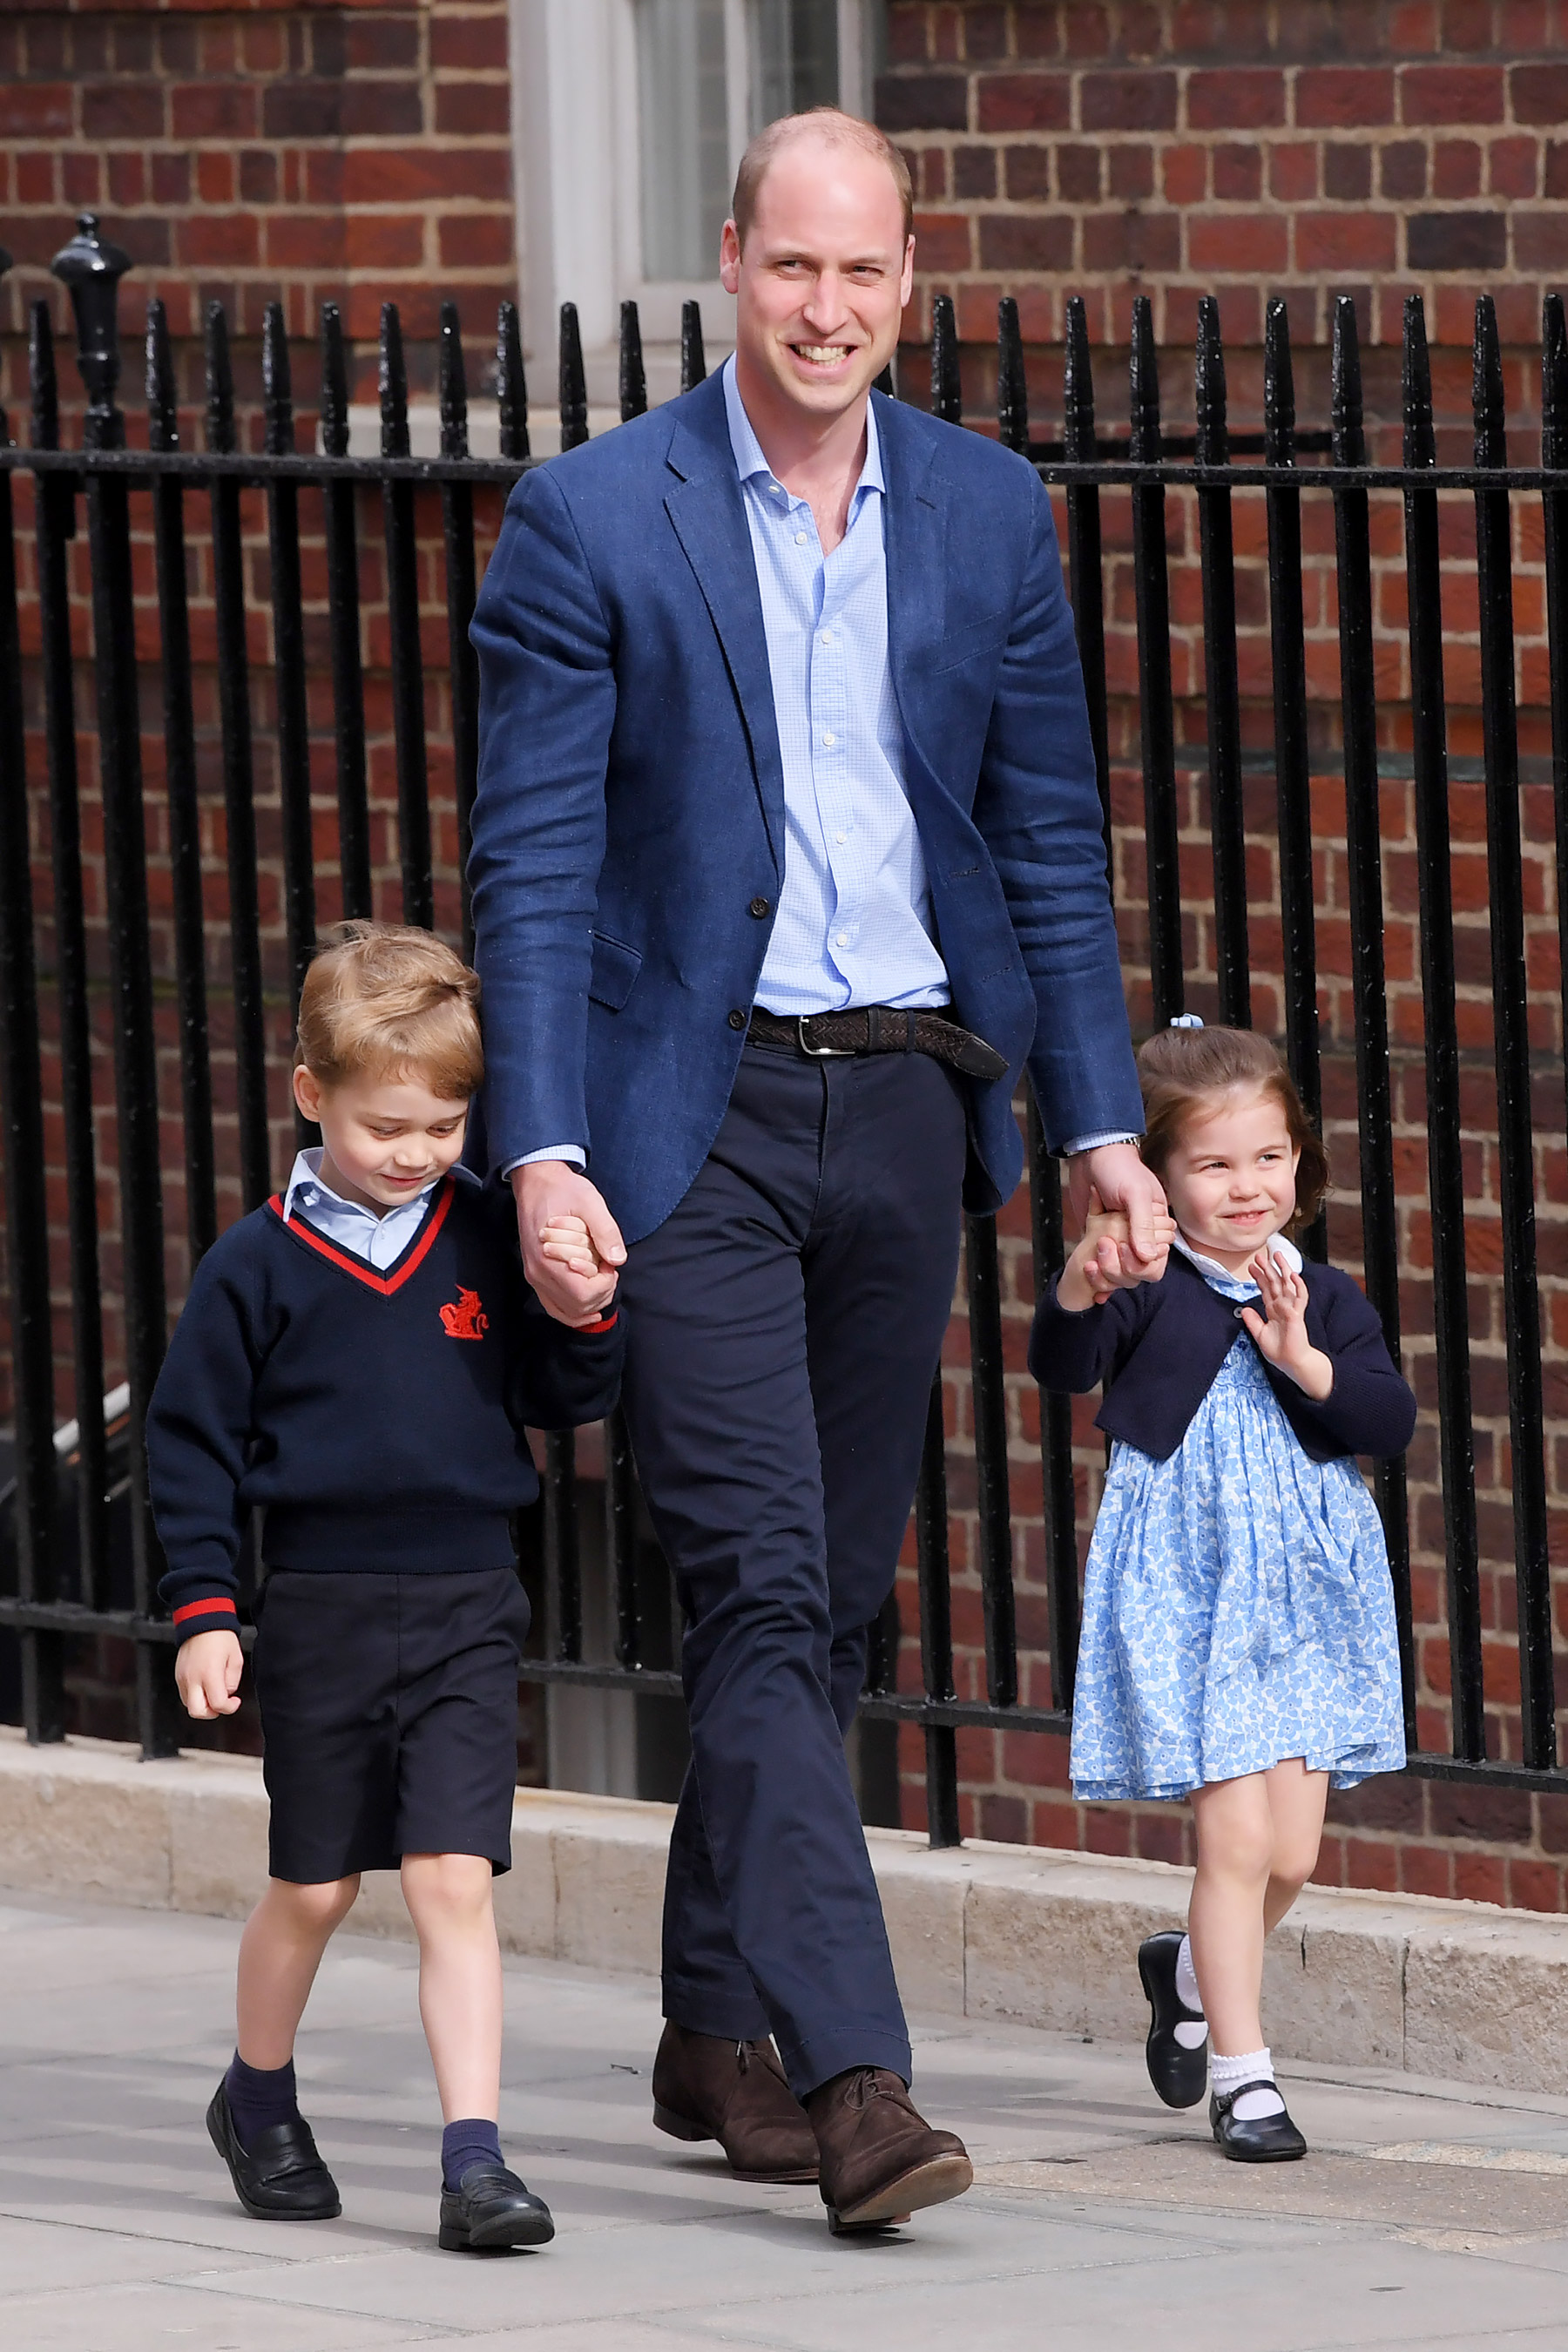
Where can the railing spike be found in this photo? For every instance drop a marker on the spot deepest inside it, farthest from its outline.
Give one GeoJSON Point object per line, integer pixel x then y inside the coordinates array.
{"type": "Point", "coordinates": [574, 382]}
{"type": "Point", "coordinates": [694, 359]}
{"type": "Point", "coordinates": [92, 270]}
{"type": "Point", "coordinates": [1345, 409]}
{"type": "Point", "coordinates": [1213, 438]}
{"type": "Point", "coordinates": [1487, 388]}
{"type": "Point", "coordinates": [1077, 384]}
{"type": "Point", "coordinates": [885, 383]}
{"type": "Point", "coordinates": [163, 391]}
{"type": "Point", "coordinates": [1279, 387]}
{"type": "Point", "coordinates": [1416, 387]}
{"type": "Point", "coordinates": [1143, 386]}
{"type": "Point", "coordinates": [334, 383]}
{"type": "Point", "coordinates": [946, 387]}
{"type": "Point", "coordinates": [1011, 385]}
{"type": "Point", "coordinates": [42, 381]}
{"type": "Point", "coordinates": [277, 382]}
{"type": "Point", "coordinates": [453, 384]}
{"type": "Point", "coordinates": [511, 384]}
{"type": "Point", "coordinates": [220, 383]}
{"type": "Point", "coordinates": [393, 381]}
{"type": "Point", "coordinates": [1553, 382]}
{"type": "Point", "coordinates": [634, 378]}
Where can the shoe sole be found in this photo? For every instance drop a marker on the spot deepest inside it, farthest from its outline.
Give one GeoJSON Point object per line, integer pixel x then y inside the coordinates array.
{"type": "Point", "coordinates": [928, 2184]}
{"type": "Point", "coordinates": [682, 2127]}
{"type": "Point", "coordinates": [269, 2212]}
{"type": "Point", "coordinates": [1158, 2087]}
{"type": "Point", "coordinates": [528, 2230]}
{"type": "Point", "coordinates": [1262, 2156]}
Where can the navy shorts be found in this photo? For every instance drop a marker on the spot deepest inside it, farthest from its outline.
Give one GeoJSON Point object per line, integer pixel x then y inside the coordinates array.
{"type": "Point", "coordinates": [388, 1716]}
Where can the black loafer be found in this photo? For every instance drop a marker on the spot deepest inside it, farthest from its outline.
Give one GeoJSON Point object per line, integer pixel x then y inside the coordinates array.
{"type": "Point", "coordinates": [281, 2177]}
{"type": "Point", "coordinates": [491, 2207]}
{"type": "Point", "coordinates": [1180, 2076]}
{"type": "Point", "coordinates": [1267, 2140]}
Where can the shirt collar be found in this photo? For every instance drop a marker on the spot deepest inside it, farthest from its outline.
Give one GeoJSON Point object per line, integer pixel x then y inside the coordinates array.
{"type": "Point", "coordinates": [750, 462]}
{"type": "Point", "coordinates": [306, 1177]}
{"type": "Point", "coordinates": [1238, 1286]}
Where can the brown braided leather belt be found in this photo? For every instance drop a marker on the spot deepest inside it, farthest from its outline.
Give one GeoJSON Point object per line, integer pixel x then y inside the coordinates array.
{"type": "Point", "coordinates": [878, 1029]}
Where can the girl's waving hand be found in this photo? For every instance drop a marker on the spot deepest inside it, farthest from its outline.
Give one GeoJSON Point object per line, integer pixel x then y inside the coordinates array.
{"type": "Point", "coordinates": [1282, 1340]}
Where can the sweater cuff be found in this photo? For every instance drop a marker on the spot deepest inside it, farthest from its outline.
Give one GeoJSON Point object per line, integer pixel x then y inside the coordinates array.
{"type": "Point", "coordinates": [605, 1323]}
{"type": "Point", "coordinates": [215, 1613]}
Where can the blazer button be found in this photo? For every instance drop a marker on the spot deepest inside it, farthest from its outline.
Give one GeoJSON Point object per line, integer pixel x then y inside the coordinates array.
{"type": "Point", "coordinates": [737, 1019]}
{"type": "Point", "coordinates": [760, 907]}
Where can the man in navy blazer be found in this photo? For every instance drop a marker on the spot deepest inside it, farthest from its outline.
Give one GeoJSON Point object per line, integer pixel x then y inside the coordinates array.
{"type": "Point", "coordinates": [787, 858]}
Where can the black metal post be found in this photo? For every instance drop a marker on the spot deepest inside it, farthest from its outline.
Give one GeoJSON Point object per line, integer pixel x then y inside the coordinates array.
{"type": "Point", "coordinates": [574, 383]}
{"type": "Point", "coordinates": [694, 359]}
{"type": "Point", "coordinates": [1056, 1428]}
{"type": "Point", "coordinates": [92, 270]}
{"type": "Point", "coordinates": [1012, 381]}
{"type": "Point", "coordinates": [462, 576]}
{"type": "Point", "coordinates": [989, 1408]}
{"type": "Point", "coordinates": [181, 793]}
{"type": "Point", "coordinates": [633, 379]}
{"type": "Point", "coordinates": [1152, 590]}
{"type": "Point", "coordinates": [936, 1626]}
{"type": "Point", "coordinates": [1084, 560]}
{"type": "Point", "coordinates": [342, 627]}
{"type": "Point", "coordinates": [289, 657]}
{"type": "Point", "coordinates": [511, 384]}
{"type": "Point", "coordinates": [1554, 516]}
{"type": "Point", "coordinates": [1445, 1169]}
{"type": "Point", "coordinates": [946, 388]}
{"type": "Point", "coordinates": [1510, 1031]}
{"type": "Point", "coordinates": [563, 1564]}
{"type": "Point", "coordinates": [1227, 824]}
{"type": "Point", "coordinates": [402, 621]}
{"type": "Point", "coordinates": [620, 1534]}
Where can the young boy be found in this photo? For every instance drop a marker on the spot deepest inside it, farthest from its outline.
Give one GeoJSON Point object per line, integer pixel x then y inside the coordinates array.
{"type": "Point", "coordinates": [357, 1360]}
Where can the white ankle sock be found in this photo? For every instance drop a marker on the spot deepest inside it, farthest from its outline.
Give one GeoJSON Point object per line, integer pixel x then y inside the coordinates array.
{"type": "Point", "coordinates": [1189, 2034]}
{"type": "Point", "coordinates": [1252, 2067]}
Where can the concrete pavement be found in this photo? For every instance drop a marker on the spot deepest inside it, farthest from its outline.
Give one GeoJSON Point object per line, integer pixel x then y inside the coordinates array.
{"type": "Point", "coordinates": [1428, 2215]}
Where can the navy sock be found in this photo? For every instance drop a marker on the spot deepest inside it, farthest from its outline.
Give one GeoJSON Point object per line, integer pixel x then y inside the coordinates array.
{"type": "Point", "coordinates": [260, 2095]}
{"type": "Point", "coordinates": [474, 2141]}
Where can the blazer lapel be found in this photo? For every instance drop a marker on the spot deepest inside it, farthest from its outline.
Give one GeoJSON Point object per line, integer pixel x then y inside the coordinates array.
{"type": "Point", "coordinates": [709, 517]}
{"type": "Point", "coordinates": [916, 525]}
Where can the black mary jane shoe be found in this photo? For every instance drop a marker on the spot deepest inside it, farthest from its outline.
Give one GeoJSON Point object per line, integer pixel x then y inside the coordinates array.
{"type": "Point", "coordinates": [1180, 2076]}
{"type": "Point", "coordinates": [1266, 2139]}
{"type": "Point", "coordinates": [280, 2178]}
{"type": "Point", "coordinates": [491, 2207]}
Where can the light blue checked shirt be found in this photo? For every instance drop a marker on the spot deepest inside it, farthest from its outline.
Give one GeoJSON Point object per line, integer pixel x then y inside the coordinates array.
{"type": "Point", "coordinates": [854, 924]}
{"type": "Point", "coordinates": [379, 1240]}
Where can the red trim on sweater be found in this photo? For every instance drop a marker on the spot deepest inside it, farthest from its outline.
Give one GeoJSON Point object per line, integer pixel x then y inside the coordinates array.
{"type": "Point", "coordinates": [605, 1323]}
{"type": "Point", "coordinates": [384, 1283]}
{"type": "Point", "coordinates": [205, 1609]}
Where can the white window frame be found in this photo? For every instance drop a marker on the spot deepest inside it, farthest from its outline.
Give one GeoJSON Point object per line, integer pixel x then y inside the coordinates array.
{"type": "Point", "coordinates": [575, 146]}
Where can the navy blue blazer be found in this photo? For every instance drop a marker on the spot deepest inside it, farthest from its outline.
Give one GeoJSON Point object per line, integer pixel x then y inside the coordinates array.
{"type": "Point", "coordinates": [629, 824]}
{"type": "Point", "coordinates": [1158, 1349]}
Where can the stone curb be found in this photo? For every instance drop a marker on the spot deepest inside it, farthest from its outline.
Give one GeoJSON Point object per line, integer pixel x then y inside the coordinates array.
{"type": "Point", "coordinates": [1034, 1937]}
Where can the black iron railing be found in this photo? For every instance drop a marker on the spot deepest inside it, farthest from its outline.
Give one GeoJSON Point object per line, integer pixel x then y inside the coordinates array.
{"type": "Point", "coordinates": [65, 1573]}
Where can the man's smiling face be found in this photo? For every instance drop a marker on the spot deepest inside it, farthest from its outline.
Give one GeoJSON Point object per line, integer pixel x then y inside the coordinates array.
{"type": "Point", "coordinates": [824, 277]}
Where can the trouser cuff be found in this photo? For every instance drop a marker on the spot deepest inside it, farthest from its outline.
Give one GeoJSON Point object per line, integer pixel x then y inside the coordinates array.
{"type": "Point", "coordinates": [814, 2060]}
{"type": "Point", "coordinates": [727, 2012]}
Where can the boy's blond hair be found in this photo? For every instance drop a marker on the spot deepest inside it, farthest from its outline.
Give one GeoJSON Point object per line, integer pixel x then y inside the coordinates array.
{"type": "Point", "coordinates": [382, 999]}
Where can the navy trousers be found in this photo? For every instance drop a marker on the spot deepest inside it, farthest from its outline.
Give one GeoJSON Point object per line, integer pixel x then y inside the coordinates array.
{"type": "Point", "coordinates": [783, 1326]}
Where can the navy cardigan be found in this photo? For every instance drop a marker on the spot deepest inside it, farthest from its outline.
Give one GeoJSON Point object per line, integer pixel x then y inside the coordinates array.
{"type": "Point", "coordinates": [1158, 1349]}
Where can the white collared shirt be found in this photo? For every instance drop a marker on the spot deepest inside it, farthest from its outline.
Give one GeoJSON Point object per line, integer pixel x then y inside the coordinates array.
{"type": "Point", "coordinates": [379, 1240]}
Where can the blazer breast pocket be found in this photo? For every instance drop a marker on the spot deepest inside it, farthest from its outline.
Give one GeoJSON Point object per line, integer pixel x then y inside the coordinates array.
{"type": "Point", "coordinates": [968, 644]}
{"type": "Point", "coordinates": [615, 967]}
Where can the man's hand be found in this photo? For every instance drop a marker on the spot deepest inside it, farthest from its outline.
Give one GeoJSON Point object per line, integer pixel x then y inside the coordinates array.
{"type": "Point", "coordinates": [1101, 1262]}
{"type": "Point", "coordinates": [1116, 1171]}
{"type": "Point", "coordinates": [207, 1674]}
{"type": "Point", "coordinates": [549, 1193]}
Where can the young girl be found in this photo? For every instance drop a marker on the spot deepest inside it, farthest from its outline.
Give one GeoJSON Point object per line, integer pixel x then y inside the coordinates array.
{"type": "Point", "coordinates": [1239, 1639]}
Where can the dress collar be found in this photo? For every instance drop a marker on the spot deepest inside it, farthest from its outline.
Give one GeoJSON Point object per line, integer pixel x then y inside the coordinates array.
{"type": "Point", "coordinates": [1238, 1286]}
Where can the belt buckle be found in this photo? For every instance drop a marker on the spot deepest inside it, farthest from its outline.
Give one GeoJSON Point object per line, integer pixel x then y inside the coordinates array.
{"type": "Point", "coordinates": [819, 1053]}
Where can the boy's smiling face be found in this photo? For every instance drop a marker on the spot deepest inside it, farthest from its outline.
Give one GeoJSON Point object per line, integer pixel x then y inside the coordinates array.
{"type": "Point", "coordinates": [386, 1139]}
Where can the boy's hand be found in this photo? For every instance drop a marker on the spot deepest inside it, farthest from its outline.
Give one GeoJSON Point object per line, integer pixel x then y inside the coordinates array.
{"type": "Point", "coordinates": [1283, 1338]}
{"type": "Point", "coordinates": [548, 1192]}
{"type": "Point", "coordinates": [207, 1674]}
{"type": "Point", "coordinates": [1105, 1261]}
{"type": "Point", "coordinates": [564, 1242]}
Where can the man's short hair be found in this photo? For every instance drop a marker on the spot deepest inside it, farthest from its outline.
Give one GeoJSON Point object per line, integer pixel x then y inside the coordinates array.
{"type": "Point", "coordinates": [836, 129]}
{"type": "Point", "coordinates": [382, 1001]}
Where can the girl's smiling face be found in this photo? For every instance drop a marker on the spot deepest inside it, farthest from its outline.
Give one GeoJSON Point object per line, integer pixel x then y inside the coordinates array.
{"type": "Point", "coordinates": [1231, 1180]}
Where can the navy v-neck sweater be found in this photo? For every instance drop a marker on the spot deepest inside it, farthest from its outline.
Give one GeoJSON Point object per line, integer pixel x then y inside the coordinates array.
{"type": "Point", "coordinates": [376, 1418]}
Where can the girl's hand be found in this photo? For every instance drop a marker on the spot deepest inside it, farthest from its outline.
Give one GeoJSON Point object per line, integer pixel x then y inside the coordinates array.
{"type": "Point", "coordinates": [1105, 1260]}
{"type": "Point", "coordinates": [564, 1242]}
{"type": "Point", "coordinates": [1283, 1341]}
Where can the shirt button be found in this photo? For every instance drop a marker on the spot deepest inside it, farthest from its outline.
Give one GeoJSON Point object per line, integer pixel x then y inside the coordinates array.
{"type": "Point", "coordinates": [800, 539]}
{"type": "Point", "coordinates": [841, 837]}
{"type": "Point", "coordinates": [829, 741]}
{"type": "Point", "coordinates": [843, 939]}
{"type": "Point", "coordinates": [737, 1019]}
{"type": "Point", "coordinates": [828, 636]}
{"type": "Point", "coordinates": [759, 907]}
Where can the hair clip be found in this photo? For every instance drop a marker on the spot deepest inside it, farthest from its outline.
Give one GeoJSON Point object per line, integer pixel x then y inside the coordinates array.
{"type": "Point", "coordinates": [1185, 1021]}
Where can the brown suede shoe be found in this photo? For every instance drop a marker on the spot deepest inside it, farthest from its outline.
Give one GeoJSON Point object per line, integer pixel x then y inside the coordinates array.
{"type": "Point", "coordinates": [881, 2161]}
{"type": "Point", "coordinates": [734, 2091]}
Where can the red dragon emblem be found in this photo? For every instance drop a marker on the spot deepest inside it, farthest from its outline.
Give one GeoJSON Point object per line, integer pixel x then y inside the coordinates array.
{"type": "Point", "coordinates": [465, 1318]}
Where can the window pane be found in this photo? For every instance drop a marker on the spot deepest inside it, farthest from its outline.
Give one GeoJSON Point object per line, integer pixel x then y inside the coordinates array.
{"type": "Point", "coordinates": [683, 118]}
{"type": "Point", "coordinates": [794, 56]}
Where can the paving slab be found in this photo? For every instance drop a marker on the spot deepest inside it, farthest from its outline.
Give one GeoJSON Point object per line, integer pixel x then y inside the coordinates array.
{"type": "Point", "coordinates": [1429, 2213]}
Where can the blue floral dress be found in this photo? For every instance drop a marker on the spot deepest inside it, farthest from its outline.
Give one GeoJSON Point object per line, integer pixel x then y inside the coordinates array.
{"type": "Point", "coordinates": [1237, 1608]}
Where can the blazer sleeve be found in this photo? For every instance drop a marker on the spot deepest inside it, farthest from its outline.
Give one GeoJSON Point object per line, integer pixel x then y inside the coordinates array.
{"type": "Point", "coordinates": [547, 707]}
{"type": "Point", "coordinates": [1037, 809]}
{"type": "Point", "coordinates": [198, 1432]}
{"type": "Point", "coordinates": [1075, 1353]}
{"type": "Point", "coordinates": [1370, 1409]}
